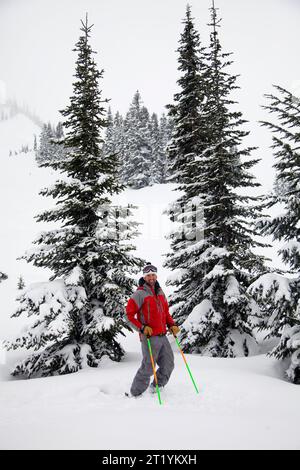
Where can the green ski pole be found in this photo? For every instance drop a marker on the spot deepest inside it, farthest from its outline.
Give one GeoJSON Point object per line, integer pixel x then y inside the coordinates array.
{"type": "Point", "coordinates": [187, 366]}
{"type": "Point", "coordinates": [154, 371]}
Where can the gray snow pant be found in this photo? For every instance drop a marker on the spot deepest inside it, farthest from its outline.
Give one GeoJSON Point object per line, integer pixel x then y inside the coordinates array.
{"type": "Point", "coordinates": [162, 355]}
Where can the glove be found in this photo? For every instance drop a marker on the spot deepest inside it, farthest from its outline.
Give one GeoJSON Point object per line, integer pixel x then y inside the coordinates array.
{"type": "Point", "coordinates": [147, 330]}
{"type": "Point", "coordinates": [174, 330]}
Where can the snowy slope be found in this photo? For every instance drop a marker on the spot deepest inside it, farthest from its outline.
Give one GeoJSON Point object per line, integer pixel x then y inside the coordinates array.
{"type": "Point", "coordinates": [20, 182]}
{"type": "Point", "coordinates": [243, 403]}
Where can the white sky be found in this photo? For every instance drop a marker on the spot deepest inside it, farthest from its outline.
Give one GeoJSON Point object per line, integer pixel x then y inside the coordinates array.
{"type": "Point", "coordinates": [136, 41]}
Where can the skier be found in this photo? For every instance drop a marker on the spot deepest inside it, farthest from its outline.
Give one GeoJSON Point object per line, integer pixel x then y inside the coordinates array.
{"type": "Point", "coordinates": [148, 311]}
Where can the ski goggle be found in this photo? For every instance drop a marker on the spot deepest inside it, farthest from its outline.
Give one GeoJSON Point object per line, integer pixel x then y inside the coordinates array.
{"type": "Point", "coordinates": [149, 269]}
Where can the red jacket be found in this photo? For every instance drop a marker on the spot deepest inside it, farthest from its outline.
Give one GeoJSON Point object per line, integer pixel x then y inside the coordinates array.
{"type": "Point", "coordinates": [146, 308]}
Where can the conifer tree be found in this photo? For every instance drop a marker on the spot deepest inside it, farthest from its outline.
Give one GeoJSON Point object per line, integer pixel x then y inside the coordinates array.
{"type": "Point", "coordinates": [212, 255]}
{"type": "Point", "coordinates": [280, 295]}
{"type": "Point", "coordinates": [142, 139]}
{"type": "Point", "coordinates": [76, 317]}
{"type": "Point", "coordinates": [158, 155]}
{"type": "Point", "coordinates": [184, 147]}
{"type": "Point", "coordinates": [51, 144]}
{"type": "Point", "coordinates": [186, 112]}
{"type": "Point", "coordinates": [118, 141]}
{"type": "Point", "coordinates": [165, 133]}
{"type": "Point", "coordinates": [118, 124]}
{"type": "Point", "coordinates": [114, 142]}
{"type": "Point", "coordinates": [59, 131]}
{"type": "Point", "coordinates": [21, 283]}
{"type": "Point", "coordinates": [44, 151]}
{"type": "Point", "coordinates": [137, 150]}
{"type": "Point", "coordinates": [108, 145]}
{"type": "Point", "coordinates": [57, 143]}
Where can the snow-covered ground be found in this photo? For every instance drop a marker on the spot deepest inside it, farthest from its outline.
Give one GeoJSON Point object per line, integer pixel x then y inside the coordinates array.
{"type": "Point", "coordinates": [243, 403]}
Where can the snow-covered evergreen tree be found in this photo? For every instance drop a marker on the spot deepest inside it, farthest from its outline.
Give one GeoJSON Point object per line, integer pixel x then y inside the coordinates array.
{"type": "Point", "coordinates": [140, 138]}
{"type": "Point", "coordinates": [54, 329]}
{"type": "Point", "coordinates": [183, 148]}
{"type": "Point", "coordinates": [137, 151]}
{"type": "Point", "coordinates": [59, 131]}
{"type": "Point", "coordinates": [276, 297]}
{"type": "Point", "coordinates": [75, 318]}
{"type": "Point", "coordinates": [281, 298]}
{"type": "Point", "coordinates": [119, 144]}
{"type": "Point", "coordinates": [44, 151]}
{"type": "Point", "coordinates": [114, 140]}
{"type": "Point", "coordinates": [108, 146]}
{"type": "Point", "coordinates": [158, 155]}
{"type": "Point", "coordinates": [21, 283]}
{"type": "Point", "coordinates": [165, 134]}
{"type": "Point", "coordinates": [118, 133]}
{"type": "Point", "coordinates": [186, 110]}
{"type": "Point", "coordinates": [212, 245]}
{"type": "Point", "coordinates": [288, 349]}
{"type": "Point", "coordinates": [51, 144]}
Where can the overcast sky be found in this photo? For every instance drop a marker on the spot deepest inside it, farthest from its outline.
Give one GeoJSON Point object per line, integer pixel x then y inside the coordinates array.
{"type": "Point", "coordinates": [136, 41]}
